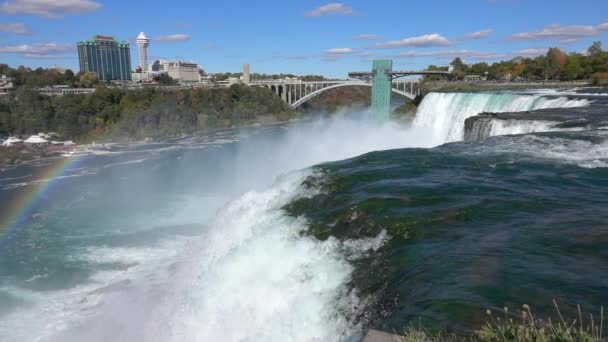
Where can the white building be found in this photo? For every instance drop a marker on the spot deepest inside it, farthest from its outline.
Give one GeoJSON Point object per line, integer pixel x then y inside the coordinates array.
{"type": "Point", "coordinates": [181, 71]}
{"type": "Point", "coordinates": [159, 65]}
{"type": "Point", "coordinates": [6, 84]}
{"type": "Point", "coordinates": [143, 42]}
{"type": "Point", "coordinates": [184, 72]}
{"type": "Point", "coordinates": [143, 77]}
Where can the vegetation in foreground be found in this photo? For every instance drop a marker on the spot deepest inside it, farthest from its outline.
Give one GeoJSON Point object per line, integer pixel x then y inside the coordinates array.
{"type": "Point", "coordinates": [522, 327]}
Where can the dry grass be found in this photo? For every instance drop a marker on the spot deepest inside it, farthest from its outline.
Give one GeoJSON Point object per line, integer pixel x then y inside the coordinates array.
{"type": "Point", "coordinates": [522, 326]}
{"type": "Point", "coordinates": [525, 327]}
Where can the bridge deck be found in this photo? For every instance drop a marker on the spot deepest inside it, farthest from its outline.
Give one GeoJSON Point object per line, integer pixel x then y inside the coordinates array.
{"type": "Point", "coordinates": [398, 73]}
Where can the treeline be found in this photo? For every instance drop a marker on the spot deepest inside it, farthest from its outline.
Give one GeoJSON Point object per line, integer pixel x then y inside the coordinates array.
{"type": "Point", "coordinates": [40, 77]}
{"type": "Point", "coordinates": [149, 112]}
{"type": "Point", "coordinates": [555, 65]}
{"type": "Point", "coordinates": [354, 99]}
{"type": "Point", "coordinates": [255, 76]}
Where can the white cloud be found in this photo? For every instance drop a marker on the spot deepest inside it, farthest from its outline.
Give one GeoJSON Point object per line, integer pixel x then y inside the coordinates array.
{"type": "Point", "coordinates": [557, 31]}
{"type": "Point", "coordinates": [452, 54]}
{"type": "Point", "coordinates": [178, 37]}
{"type": "Point", "coordinates": [340, 51]}
{"type": "Point", "coordinates": [40, 50]}
{"type": "Point", "coordinates": [16, 28]}
{"type": "Point", "coordinates": [50, 8]}
{"type": "Point", "coordinates": [434, 39]}
{"type": "Point", "coordinates": [478, 34]}
{"type": "Point", "coordinates": [367, 37]}
{"type": "Point", "coordinates": [334, 8]}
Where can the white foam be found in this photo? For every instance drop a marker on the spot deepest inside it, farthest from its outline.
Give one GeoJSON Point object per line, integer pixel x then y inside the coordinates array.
{"type": "Point", "coordinates": [584, 153]}
{"type": "Point", "coordinates": [444, 113]}
{"type": "Point", "coordinates": [258, 279]}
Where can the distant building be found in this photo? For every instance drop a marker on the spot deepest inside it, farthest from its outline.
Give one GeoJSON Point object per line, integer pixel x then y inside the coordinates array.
{"type": "Point", "coordinates": [159, 65]}
{"type": "Point", "coordinates": [182, 72]}
{"type": "Point", "coordinates": [60, 90]}
{"type": "Point", "coordinates": [246, 73]}
{"type": "Point", "coordinates": [472, 78]}
{"type": "Point", "coordinates": [105, 56]}
{"type": "Point", "coordinates": [140, 76]}
{"type": "Point", "coordinates": [143, 42]}
{"type": "Point", "coordinates": [6, 85]}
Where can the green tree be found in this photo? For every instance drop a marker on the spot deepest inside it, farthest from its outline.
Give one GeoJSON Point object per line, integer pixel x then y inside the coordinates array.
{"type": "Point", "coordinates": [573, 69]}
{"type": "Point", "coordinates": [595, 49]}
{"type": "Point", "coordinates": [69, 77]}
{"type": "Point", "coordinates": [479, 68]}
{"type": "Point", "coordinates": [165, 79]}
{"type": "Point", "coordinates": [460, 68]}
{"type": "Point", "coordinates": [87, 79]}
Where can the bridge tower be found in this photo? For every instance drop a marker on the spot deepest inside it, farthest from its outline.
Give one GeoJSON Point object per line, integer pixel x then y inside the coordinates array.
{"type": "Point", "coordinates": [381, 88]}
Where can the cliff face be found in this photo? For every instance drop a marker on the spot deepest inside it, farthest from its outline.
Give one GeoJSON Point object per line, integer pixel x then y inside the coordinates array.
{"type": "Point", "coordinates": [485, 125]}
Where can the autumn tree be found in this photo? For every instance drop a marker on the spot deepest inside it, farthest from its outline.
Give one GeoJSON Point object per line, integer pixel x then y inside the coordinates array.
{"type": "Point", "coordinates": [554, 63]}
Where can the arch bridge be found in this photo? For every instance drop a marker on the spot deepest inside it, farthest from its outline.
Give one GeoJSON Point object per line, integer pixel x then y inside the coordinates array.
{"type": "Point", "coordinates": [295, 93]}
{"type": "Point", "coordinates": [382, 78]}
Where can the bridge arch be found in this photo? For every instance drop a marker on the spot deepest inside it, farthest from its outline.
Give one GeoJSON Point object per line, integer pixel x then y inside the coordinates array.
{"type": "Point", "coordinates": [315, 93]}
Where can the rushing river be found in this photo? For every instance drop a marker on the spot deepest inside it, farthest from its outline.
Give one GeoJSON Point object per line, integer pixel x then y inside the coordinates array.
{"type": "Point", "coordinates": [273, 234]}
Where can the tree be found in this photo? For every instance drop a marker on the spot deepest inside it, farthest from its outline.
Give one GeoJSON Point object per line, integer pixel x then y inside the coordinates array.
{"type": "Point", "coordinates": [555, 61]}
{"type": "Point", "coordinates": [460, 69]}
{"type": "Point", "coordinates": [87, 79]}
{"type": "Point", "coordinates": [573, 69]}
{"type": "Point", "coordinates": [479, 68]}
{"type": "Point", "coordinates": [595, 49]}
{"type": "Point", "coordinates": [69, 77]}
{"type": "Point", "coordinates": [518, 69]}
{"type": "Point", "coordinates": [165, 79]}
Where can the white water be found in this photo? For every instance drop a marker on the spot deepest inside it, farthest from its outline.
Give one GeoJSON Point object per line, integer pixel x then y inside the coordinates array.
{"type": "Point", "coordinates": [250, 275]}
{"type": "Point", "coordinates": [444, 113]}
{"type": "Point", "coordinates": [505, 127]}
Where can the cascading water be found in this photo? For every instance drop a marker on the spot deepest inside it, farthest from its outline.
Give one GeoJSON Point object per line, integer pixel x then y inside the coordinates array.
{"type": "Point", "coordinates": [488, 127]}
{"type": "Point", "coordinates": [444, 114]}
{"type": "Point", "coordinates": [245, 273]}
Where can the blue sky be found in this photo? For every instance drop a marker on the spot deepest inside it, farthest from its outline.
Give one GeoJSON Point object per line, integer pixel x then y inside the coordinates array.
{"type": "Point", "coordinates": [302, 36]}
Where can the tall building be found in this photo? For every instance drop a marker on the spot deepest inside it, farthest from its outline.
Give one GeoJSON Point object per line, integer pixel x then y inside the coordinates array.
{"type": "Point", "coordinates": [246, 74]}
{"type": "Point", "coordinates": [143, 42]}
{"type": "Point", "coordinates": [105, 56]}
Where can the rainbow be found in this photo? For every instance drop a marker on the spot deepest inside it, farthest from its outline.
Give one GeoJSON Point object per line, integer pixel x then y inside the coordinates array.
{"type": "Point", "coordinates": [28, 198]}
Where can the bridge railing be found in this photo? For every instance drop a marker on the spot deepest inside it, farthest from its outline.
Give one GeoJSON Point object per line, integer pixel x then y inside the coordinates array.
{"type": "Point", "coordinates": [298, 82]}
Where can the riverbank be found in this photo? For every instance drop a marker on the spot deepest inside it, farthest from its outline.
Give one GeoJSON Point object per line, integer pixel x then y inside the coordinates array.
{"type": "Point", "coordinates": [16, 155]}
{"type": "Point", "coordinates": [112, 114]}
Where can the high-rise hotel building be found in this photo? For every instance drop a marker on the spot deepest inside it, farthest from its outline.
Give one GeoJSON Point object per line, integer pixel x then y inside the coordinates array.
{"type": "Point", "coordinates": [105, 56]}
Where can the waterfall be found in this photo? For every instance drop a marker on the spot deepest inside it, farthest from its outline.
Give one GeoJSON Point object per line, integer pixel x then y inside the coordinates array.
{"type": "Point", "coordinates": [484, 127]}
{"type": "Point", "coordinates": [444, 114]}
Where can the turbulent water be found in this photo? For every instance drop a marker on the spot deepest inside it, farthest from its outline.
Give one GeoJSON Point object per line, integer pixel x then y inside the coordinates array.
{"type": "Point", "coordinates": [233, 236]}
{"type": "Point", "coordinates": [444, 113]}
